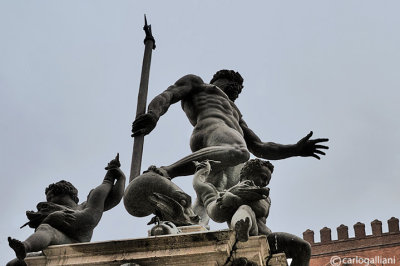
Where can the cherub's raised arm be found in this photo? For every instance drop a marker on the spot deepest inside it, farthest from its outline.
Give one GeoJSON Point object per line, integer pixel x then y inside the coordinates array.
{"type": "Point", "coordinates": [117, 191]}
{"type": "Point", "coordinates": [274, 151]}
{"type": "Point", "coordinates": [145, 123]}
{"type": "Point", "coordinates": [107, 195]}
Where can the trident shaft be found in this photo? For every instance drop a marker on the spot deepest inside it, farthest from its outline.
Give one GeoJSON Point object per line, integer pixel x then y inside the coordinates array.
{"type": "Point", "coordinates": [137, 153]}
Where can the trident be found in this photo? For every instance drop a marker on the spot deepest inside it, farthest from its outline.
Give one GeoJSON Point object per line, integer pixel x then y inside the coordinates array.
{"type": "Point", "coordinates": [138, 141]}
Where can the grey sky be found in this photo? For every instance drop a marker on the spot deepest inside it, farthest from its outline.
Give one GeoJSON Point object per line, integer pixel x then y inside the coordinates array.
{"type": "Point", "coordinates": [69, 75]}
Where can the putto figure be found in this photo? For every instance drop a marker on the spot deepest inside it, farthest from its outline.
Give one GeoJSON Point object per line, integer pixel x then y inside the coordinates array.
{"type": "Point", "coordinates": [219, 133]}
{"type": "Point", "coordinates": [61, 220]}
{"type": "Point", "coordinates": [245, 207]}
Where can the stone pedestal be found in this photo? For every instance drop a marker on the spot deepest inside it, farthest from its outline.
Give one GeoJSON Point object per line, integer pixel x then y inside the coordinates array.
{"type": "Point", "coordinates": [195, 248]}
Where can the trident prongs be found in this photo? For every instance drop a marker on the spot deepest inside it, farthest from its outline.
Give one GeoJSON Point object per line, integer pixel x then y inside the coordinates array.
{"type": "Point", "coordinates": [147, 30]}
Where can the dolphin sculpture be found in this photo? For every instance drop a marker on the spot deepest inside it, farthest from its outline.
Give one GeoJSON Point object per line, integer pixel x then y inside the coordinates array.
{"type": "Point", "coordinates": [152, 193]}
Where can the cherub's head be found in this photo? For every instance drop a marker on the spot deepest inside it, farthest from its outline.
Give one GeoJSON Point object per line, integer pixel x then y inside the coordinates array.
{"type": "Point", "coordinates": [258, 171]}
{"type": "Point", "coordinates": [55, 192]}
{"type": "Point", "coordinates": [229, 81]}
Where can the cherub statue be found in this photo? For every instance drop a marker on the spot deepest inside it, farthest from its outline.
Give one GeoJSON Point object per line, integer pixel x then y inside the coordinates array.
{"type": "Point", "coordinates": [61, 220]}
{"type": "Point", "coordinates": [245, 207]}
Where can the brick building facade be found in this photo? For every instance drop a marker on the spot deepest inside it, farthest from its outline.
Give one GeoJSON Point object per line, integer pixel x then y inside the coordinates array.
{"type": "Point", "coordinates": [376, 249]}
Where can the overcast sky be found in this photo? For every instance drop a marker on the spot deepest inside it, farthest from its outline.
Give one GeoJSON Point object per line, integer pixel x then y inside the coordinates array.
{"type": "Point", "coordinates": [69, 78]}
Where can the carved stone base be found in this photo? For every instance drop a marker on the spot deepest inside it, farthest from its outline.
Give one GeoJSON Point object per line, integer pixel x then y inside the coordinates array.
{"type": "Point", "coordinates": [198, 248]}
